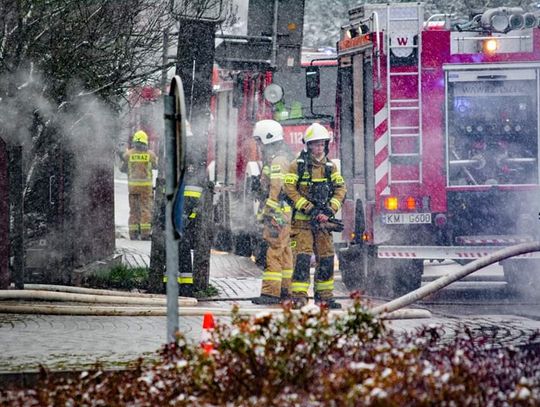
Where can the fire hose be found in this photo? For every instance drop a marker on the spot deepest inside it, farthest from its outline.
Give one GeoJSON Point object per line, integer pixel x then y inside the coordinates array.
{"type": "Point", "coordinates": [442, 282]}
{"type": "Point", "coordinates": [391, 310]}
{"type": "Point", "coordinates": [48, 309]}
{"type": "Point", "coordinates": [87, 298]}
{"type": "Point", "coordinates": [128, 304]}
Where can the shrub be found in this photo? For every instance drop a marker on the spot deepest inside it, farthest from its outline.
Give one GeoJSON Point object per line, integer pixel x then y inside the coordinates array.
{"type": "Point", "coordinates": [311, 358]}
{"type": "Point", "coordinates": [120, 276]}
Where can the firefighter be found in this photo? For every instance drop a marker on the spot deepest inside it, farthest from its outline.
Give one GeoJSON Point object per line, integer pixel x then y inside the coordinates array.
{"type": "Point", "coordinates": [317, 189]}
{"type": "Point", "coordinates": [275, 213]}
{"type": "Point", "coordinates": [140, 162]}
{"type": "Point", "coordinates": [191, 208]}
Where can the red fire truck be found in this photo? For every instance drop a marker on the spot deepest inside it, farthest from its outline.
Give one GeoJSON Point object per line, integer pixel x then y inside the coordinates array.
{"type": "Point", "coordinates": [144, 104]}
{"type": "Point", "coordinates": [439, 130]}
{"type": "Point", "coordinates": [240, 99]}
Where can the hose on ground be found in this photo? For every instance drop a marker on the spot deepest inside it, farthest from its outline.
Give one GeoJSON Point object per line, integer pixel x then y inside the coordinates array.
{"type": "Point", "coordinates": [50, 309]}
{"type": "Point", "coordinates": [86, 290]}
{"type": "Point", "coordinates": [442, 282]}
{"type": "Point", "coordinates": [87, 298]}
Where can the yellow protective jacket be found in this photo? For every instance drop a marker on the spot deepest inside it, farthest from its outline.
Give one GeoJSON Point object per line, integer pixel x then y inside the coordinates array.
{"type": "Point", "coordinates": [140, 164]}
{"type": "Point", "coordinates": [272, 180]}
{"type": "Point", "coordinates": [297, 187]}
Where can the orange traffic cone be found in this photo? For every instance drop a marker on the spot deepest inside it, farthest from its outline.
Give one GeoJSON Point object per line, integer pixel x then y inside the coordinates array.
{"type": "Point", "coordinates": [206, 336]}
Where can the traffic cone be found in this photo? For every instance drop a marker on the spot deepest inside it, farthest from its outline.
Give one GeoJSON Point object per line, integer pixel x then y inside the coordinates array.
{"type": "Point", "coordinates": [206, 335]}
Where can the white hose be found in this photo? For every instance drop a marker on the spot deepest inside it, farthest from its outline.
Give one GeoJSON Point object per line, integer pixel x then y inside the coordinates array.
{"type": "Point", "coordinates": [46, 309]}
{"type": "Point", "coordinates": [85, 290]}
{"type": "Point", "coordinates": [103, 299]}
{"type": "Point", "coordinates": [442, 282]}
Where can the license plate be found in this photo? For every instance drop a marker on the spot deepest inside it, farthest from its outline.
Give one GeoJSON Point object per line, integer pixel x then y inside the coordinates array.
{"type": "Point", "coordinates": [405, 218]}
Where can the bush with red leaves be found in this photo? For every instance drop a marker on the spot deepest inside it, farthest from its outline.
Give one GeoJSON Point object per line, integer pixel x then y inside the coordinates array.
{"type": "Point", "coordinates": [309, 358]}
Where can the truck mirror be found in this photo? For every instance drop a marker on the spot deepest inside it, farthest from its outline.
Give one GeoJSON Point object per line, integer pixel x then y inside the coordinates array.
{"type": "Point", "coordinates": [313, 82]}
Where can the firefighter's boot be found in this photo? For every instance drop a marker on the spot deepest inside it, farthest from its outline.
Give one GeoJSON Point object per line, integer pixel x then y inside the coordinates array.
{"type": "Point", "coordinates": [265, 299]}
{"type": "Point", "coordinates": [299, 302]}
{"type": "Point", "coordinates": [329, 303]}
{"type": "Point", "coordinates": [300, 281]}
{"type": "Point", "coordinates": [134, 232]}
{"type": "Point", "coordinates": [285, 294]}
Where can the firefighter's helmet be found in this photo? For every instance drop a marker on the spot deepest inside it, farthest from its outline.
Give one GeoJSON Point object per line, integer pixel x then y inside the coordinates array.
{"type": "Point", "coordinates": [268, 131]}
{"type": "Point", "coordinates": [140, 137]}
{"type": "Point", "coordinates": [316, 132]}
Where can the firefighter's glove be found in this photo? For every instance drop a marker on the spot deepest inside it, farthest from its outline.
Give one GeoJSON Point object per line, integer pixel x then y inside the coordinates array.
{"type": "Point", "coordinates": [322, 217]}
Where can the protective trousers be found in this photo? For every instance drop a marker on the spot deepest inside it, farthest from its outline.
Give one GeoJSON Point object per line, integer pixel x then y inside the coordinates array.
{"type": "Point", "coordinates": [140, 212]}
{"type": "Point", "coordinates": [306, 241]}
{"type": "Point", "coordinates": [277, 274]}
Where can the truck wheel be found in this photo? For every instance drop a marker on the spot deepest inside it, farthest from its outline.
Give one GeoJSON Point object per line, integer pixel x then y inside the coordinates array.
{"type": "Point", "coordinates": [351, 265]}
{"type": "Point", "coordinates": [407, 276]}
{"type": "Point", "coordinates": [379, 276]}
{"type": "Point", "coordinates": [522, 276]}
{"type": "Point", "coordinates": [393, 278]}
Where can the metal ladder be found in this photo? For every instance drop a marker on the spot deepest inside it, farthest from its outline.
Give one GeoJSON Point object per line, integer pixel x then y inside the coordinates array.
{"type": "Point", "coordinates": [409, 20]}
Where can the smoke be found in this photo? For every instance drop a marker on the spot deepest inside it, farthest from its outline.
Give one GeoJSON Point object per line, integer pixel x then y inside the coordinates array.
{"type": "Point", "coordinates": [67, 165]}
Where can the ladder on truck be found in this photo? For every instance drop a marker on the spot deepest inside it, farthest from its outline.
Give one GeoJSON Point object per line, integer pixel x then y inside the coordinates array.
{"type": "Point", "coordinates": [404, 21]}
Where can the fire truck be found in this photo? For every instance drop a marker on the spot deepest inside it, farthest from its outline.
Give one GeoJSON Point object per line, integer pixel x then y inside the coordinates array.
{"type": "Point", "coordinates": [144, 112]}
{"type": "Point", "coordinates": [439, 129]}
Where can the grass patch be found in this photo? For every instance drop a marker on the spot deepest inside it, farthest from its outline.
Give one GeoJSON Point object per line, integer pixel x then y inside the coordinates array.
{"type": "Point", "coordinates": [120, 277]}
{"type": "Point", "coordinates": [210, 291]}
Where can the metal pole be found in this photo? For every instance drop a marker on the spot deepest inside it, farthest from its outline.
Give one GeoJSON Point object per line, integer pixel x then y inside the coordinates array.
{"type": "Point", "coordinates": [275, 34]}
{"type": "Point", "coordinates": [171, 246]}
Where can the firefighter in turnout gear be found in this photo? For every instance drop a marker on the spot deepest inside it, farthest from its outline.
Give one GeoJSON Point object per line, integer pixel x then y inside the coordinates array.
{"type": "Point", "coordinates": [317, 189]}
{"type": "Point", "coordinates": [140, 162]}
{"type": "Point", "coordinates": [275, 213]}
{"type": "Point", "coordinates": [191, 209]}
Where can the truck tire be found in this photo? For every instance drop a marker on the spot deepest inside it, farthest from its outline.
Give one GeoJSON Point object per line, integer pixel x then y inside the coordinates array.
{"type": "Point", "coordinates": [407, 276]}
{"type": "Point", "coordinates": [351, 265]}
{"type": "Point", "coordinates": [522, 276]}
{"type": "Point", "coordinates": [379, 275]}
{"type": "Point", "coordinates": [392, 278]}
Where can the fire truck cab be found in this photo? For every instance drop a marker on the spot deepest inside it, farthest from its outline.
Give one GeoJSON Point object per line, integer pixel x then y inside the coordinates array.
{"type": "Point", "coordinates": [439, 129]}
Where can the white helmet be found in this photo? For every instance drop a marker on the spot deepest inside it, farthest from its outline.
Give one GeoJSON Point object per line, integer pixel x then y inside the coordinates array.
{"type": "Point", "coordinates": [316, 132]}
{"type": "Point", "coordinates": [268, 131]}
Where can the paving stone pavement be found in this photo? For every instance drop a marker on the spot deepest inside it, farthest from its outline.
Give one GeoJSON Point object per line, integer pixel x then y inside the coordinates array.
{"type": "Point", "coordinates": [76, 342]}
{"type": "Point", "coordinates": [64, 342]}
